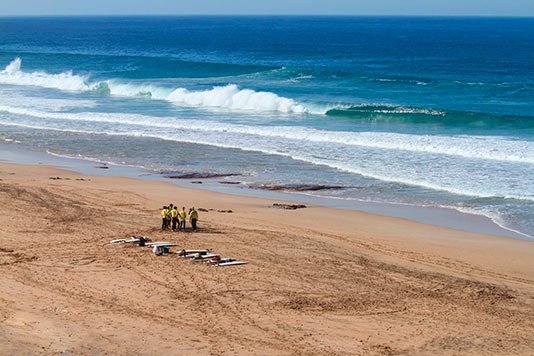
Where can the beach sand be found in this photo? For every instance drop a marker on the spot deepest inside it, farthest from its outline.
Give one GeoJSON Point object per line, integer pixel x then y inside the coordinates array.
{"type": "Point", "coordinates": [319, 280]}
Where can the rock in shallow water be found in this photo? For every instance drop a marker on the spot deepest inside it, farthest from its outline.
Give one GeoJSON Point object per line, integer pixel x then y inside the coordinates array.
{"type": "Point", "coordinates": [289, 206]}
{"type": "Point", "coordinates": [298, 187]}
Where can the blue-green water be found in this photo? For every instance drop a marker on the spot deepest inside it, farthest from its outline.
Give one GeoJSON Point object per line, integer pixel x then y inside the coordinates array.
{"type": "Point", "coordinates": [421, 111]}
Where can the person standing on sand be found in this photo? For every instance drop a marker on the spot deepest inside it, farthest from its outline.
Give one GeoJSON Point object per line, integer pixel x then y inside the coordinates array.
{"type": "Point", "coordinates": [183, 217]}
{"type": "Point", "coordinates": [174, 217]}
{"type": "Point", "coordinates": [164, 212]}
{"type": "Point", "coordinates": [193, 216]}
{"type": "Point", "coordinates": [169, 208]}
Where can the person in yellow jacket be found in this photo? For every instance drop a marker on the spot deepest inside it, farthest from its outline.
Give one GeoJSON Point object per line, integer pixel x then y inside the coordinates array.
{"type": "Point", "coordinates": [183, 216]}
{"type": "Point", "coordinates": [193, 217]}
{"type": "Point", "coordinates": [164, 213]}
{"type": "Point", "coordinates": [174, 218]}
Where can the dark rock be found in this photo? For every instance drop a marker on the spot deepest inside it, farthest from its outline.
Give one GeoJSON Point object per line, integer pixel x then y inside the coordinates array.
{"type": "Point", "coordinates": [224, 182]}
{"type": "Point", "coordinates": [199, 175]}
{"type": "Point", "coordinates": [289, 206]}
{"type": "Point", "coordinates": [202, 209]}
{"type": "Point", "coordinates": [102, 167]}
{"type": "Point", "coordinates": [224, 211]}
{"type": "Point", "coordinates": [298, 187]}
{"type": "Point", "coordinates": [196, 182]}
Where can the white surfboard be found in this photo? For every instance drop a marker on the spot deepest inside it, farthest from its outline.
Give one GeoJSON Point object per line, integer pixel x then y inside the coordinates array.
{"type": "Point", "coordinates": [204, 257]}
{"type": "Point", "coordinates": [161, 244]}
{"type": "Point", "coordinates": [117, 241]}
{"type": "Point", "coordinates": [191, 255]}
{"type": "Point", "coordinates": [194, 254]}
{"type": "Point", "coordinates": [233, 263]}
{"type": "Point", "coordinates": [222, 260]}
{"type": "Point", "coordinates": [189, 252]}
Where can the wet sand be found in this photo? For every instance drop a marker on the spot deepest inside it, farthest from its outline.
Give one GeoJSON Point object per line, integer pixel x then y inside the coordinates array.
{"type": "Point", "coordinates": [319, 280]}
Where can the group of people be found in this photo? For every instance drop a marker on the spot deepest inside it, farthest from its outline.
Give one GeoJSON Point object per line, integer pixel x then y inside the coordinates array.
{"type": "Point", "coordinates": [173, 219]}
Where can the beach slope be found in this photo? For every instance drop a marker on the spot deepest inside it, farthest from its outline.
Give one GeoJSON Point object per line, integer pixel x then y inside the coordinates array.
{"type": "Point", "coordinates": [319, 280]}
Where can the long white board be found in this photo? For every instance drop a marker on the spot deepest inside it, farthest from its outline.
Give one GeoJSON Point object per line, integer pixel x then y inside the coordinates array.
{"type": "Point", "coordinates": [233, 263]}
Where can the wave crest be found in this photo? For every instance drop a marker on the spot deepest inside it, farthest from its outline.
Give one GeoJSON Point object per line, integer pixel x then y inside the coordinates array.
{"type": "Point", "coordinates": [13, 75]}
{"type": "Point", "coordinates": [371, 109]}
{"type": "Point", "coordinates": [232, 97]}
{"type": "Point", "coordinates": [226, 97]}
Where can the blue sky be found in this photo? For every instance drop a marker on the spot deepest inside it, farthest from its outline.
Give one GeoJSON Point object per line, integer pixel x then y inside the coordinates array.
{"type": "Point", "coordinates": [270, 7]}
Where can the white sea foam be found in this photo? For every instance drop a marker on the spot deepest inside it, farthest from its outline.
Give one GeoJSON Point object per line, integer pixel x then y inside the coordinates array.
{"type": "Point", "coordinates": [226, 97]}
{"type": "Point", "coordinates": [17, 99]}
{"type": "Point", "coordinates": [379, 109]}
{"type": "Point", "coordinates": [439, 177]}
{"type": "Point", "coordinates": [388, 157]}
{"type": "Point", "coordinates": [229, 97]}
{"type": "Point", "coordinates": [489, 148]}
{"type": "Point", "coordinates": [13, 75]}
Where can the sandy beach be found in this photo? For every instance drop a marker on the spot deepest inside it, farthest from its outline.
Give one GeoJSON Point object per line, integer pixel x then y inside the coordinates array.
{"type": "Point", "coordinates": [319, 280]}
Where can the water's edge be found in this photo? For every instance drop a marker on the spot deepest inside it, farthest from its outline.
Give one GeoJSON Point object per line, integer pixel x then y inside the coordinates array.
{"type": "Point", "coordinates": [444, 217]}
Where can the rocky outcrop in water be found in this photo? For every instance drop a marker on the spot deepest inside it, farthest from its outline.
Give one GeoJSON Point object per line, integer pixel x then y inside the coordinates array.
{"type": "Point", "coordinates": [198, 175]}
{"type": "Point", "coordinates": [298, 187]}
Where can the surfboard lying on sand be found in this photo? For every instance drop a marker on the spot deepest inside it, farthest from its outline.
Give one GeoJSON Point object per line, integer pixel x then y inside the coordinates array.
{"type": "Point", "coordinates": [232, 263]}
{"type": "Point", "coordinates": [161, 244]}
{"type": "Point", "coordinates": [117, 241]}
{"type": "Point", "coordinates": [190, 252]}
{"type": "Point", "coordinates": [198, 255]}
{"type": "Point", "coordinates": [130, 240]}
{"type": "Point", "coordinates": [194, 254]}
{"type": "Point", "coordinates": [216, 260]}
{"type": "Point", "coordinates": [204, 257]}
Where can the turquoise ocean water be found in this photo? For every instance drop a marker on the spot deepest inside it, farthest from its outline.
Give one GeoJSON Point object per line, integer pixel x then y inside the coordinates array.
{"type": "Point", "coordinates": [416, 111]}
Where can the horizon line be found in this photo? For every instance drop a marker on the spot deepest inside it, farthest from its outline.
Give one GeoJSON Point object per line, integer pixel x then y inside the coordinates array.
{"type": "Point", "coordinates": [261, 15]}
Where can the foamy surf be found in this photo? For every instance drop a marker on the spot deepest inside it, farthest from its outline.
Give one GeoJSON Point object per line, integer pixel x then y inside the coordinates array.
{"type": "Point", "coordinates": [389, 157]}
{"type": "Point", "coordinates": [227, 97]}
{"type": "Point", "coordinates": [67, 81]}
{"type": "Point", "coordinates": [230, 96]}
{"type": "Point", "coordinates": [493, 148]}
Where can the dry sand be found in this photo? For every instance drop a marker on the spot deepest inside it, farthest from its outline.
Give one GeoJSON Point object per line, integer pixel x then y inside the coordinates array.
{"type": "Point", "coordinates": [319, 281]}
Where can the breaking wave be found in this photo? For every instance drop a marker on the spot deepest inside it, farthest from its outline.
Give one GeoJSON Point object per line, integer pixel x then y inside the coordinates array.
{"type": "Point", "coordinates": [226, 97]}
{"type": "Point", "coordinates": [232, 97]}
{"type": "Point", "coordinates": [13, 75]}
{"type": "Point", "coordinates": [377, 109]}
{"type": "Point", "coordinates": [229, 97]}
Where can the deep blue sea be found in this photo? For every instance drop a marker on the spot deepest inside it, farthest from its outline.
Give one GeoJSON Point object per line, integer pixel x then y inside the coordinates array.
{"type": "Point", "coordinates": [417, 111]}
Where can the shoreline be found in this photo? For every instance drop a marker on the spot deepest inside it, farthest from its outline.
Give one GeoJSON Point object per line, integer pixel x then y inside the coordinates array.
{"type": "Point", "coordinates": [447, 217]}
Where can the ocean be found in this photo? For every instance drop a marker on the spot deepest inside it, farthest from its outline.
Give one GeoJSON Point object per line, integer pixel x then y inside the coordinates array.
{"type": "Point", "coordinates": [412, 111]}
